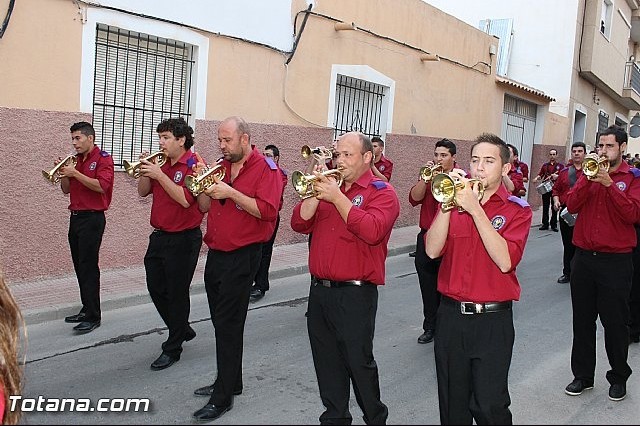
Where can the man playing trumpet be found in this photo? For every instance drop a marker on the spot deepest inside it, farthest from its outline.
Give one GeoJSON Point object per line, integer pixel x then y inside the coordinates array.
{"type": "Point", "coordinates": [351, 226]}
{"type": "Point", "coordinates": [174, 244]}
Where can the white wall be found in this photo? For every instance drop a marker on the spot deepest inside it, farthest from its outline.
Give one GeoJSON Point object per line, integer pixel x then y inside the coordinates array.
{"type": "Point", "coordinates": [267, 22]}
{"type": "Point", "coordinates": [543, 42]}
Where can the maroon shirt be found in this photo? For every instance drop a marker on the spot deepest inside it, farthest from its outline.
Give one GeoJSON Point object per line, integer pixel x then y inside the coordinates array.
{"type": "Point", "coordinates": [522, 168]}
{"type": "Point", "coordinates": [561, 186]}
{"type": "Point", "coordinates": [606, 215]}
{"type": "Point", "coordinates": [467, 273]}
{"type": "Point", "coordinates": [548, 169]}
{"type": "Point", "coordinates": [355, 250]}
{"type": "Point", "coordinates": [228, 226]}
{"type": "Point", "coordinates": [429, 207]}
{"type": "Point", "coordinates": [166, 213]}
{"type": "Point", "coordinates": [516, 178]}
{"type": "Point", "coordinates": [384, 166]}
{"type": "Point", "coordinates": [285, 181]}
{"type": "Point", "coordinates": [98, 165]}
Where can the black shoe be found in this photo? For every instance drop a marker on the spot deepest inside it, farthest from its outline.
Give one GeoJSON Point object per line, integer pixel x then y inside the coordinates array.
{"type": "Point", "coordinates": [210, 412]}
{"type": "Point", "coordinates": [256, 294]}
{"type": "Point", "coordinates": [427, 336]}
{"type": "Point", "coordinates": [543, 228]}
{"type": "Point", "coordinates": [86, 326]}
{"type": "Point", "coordinates": [577, 387]}
{"type": "Point", "coordinates": [634, 337]}
{"type": "Point", "coordinates": [163, 361]}
{"type": "Point", "coordinates": [618, 391]}
{"type": "Point", "coordinates": [191, 334]}
{"type": "Point", "coordinates": [554, 229]}
{"type": "Point", "coordinates": [412, 254]}
{"type": "Point", "coordinates": [208, 391]}
{"type": "Point", "coordinates": [564, 279]}
{"type": "Point", "coordinates": [76, 318]}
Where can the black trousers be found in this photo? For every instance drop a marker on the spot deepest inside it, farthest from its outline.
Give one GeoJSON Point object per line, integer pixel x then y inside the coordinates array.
{"type": "Point", "coordinates": [566, 232]}
{"type": "Point", "coordinates": [427, 270]}
{"type": "Point", "coordinates": [634, 301]}
{"type": "Point", "coordinates": [546, 206]}
{"type": "Point", "coordinates": [341, 325]}
{"type": "Point", "coordinates": [228, 277]}
{"type": "Point", "coordinates": [85, 237]}
{"type": "Point", "coordinates": [473, 357]}
{"type": "Point", "coordinates": [262, 276]}
{"type": "Point", "coordinates": [170, 263]}
{"type": "Point", "coordinates": [600, 285]}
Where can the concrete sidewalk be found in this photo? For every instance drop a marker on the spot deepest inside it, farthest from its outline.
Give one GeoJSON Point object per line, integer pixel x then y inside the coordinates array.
{"type": "Point", "coordinates": [55, 298]}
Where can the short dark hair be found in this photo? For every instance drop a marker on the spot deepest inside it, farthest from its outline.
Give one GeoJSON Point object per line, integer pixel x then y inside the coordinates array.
{"type": "Point", "coordinates": [446, 143]}
{"type": "Point", "coordinates": [579, 144]}
{"type": "Point", "coordinates": [274, 149]}
{"type": "Point", "coordinates": [179, 128]}
{"type": "Point", "coordinates": [84, 128]}
{"type": "Point", "coordinates": [617, 131]}
{"type": "Point", "coordinates": [513, 148]}
{"type": "Point", "coordinates": [505, 155]}
{"type": "Point", "coordinates": [377, 139]}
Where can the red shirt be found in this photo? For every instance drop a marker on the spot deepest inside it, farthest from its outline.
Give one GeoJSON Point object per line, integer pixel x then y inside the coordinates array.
{"type": "Point", "coordinates": [522, 168]}
{"type": "Point", "coordinates": [561, 186]}
{"type": "Point", "coordinates": [384, 166]}
{"type": "Point", "coordinates": [429, 207]}
{"type": "Point", "coordinates": [228, 226]}
{"type": "Point", "coordinates": [606, 215]}
{"type": "Point", "coordinates": [548, 169]}
{"type": "Point", "coordinates": [98, 165]}
{"type": "Point", "coordinates": [285, 181]}
{"type": "Point", "coordinates": [467, 273]}
{"type": "Point", "coordinates": [355, 250]}
{"type": "Point", "coordinates": [516, 178]}
{"type": "Point", "coordinates": [166, 213]}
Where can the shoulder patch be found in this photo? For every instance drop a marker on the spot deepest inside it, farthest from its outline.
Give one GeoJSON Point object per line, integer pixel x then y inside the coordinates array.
{"type": "Point", "coordinates": [284, 172]}
{"type": "Point", "coordinates": [635, 171]}
{"type": "Point", "coordinates": [522, 203]}
{"type": "Point", "coordinates": [104, 153]}
{"type": "Point", "coordinates": [379, 184]}
{"type": "Point", "coordinates": [191, 161]}
{"type": "Point", "coordinates": [271, 163]}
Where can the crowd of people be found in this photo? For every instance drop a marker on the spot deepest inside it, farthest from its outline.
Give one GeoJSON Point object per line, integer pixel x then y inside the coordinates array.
{"type": "Point", "coordinates": [350, 207]}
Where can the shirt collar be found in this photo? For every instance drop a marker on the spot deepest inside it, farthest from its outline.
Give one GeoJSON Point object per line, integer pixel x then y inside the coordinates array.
{"type": "Point", "coordinates": [365, 179]}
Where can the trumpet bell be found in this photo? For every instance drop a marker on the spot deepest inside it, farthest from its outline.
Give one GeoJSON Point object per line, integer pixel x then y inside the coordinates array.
{"type": "Point", "coordinates": [444, 187]}
{"type": "Point", "coordinates": [204, 180]}
{"type": "Point", "coordinates": [303, 184]}
{"type": "Point", "coordinates": [133, 168]}
{"type": "Point", "coordinates": [320, 152]}
{"type": "Point", "coordinates": [427, 173]}
{"type": "Point", "coordinates": [53, 175]}
{"type": "Point", "coordinates": [592, 164]}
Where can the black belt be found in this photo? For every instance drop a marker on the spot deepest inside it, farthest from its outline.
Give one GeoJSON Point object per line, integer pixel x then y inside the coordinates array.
{"type": "Point", "coordinates": [85, 212]}
{"type": "Point", "coordinates": [336, 284]}
{"type": "Point", "coordinates": [161, 232]}
{"type": "Point", "coordinates": [468, 308]}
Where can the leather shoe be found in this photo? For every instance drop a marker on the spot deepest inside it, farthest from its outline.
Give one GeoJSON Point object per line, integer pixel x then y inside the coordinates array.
{"type": "Point", "coordinates": [163, 361]}
{"type": "Point", "coordinates": [208, 391]}
{"type": "Point", "coordinates": [210, 412]}
{"type": "Point", "coordinates": [256, 294]}
{"type": "Point", "coordinates": [412, 254]}
{"type": "Point", "coordinates": [564, 279]}
{"type": "Point", "coordinates": [543, 228]}
{"type": "Point", "coordinates": [86, 326]}
{"type": "Point", "coordinates": [76, 318]}
{"type": "Point", "coordinates": [554, 229]}
{"type": "Point", "coordinates": [191, 334]}
{"type": "Point", "coordinates": [634, 337]}
{"type": "Point", "coordinates": [427, 336]}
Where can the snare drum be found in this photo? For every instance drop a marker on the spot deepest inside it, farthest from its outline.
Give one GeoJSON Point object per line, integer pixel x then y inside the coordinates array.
{"type": "Point", "coordinates": [545, 187]}
{"type": "Point", "coordinates": [570, 219]}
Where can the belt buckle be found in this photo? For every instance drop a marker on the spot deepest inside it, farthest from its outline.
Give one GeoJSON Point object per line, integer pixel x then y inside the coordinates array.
{"type": "Point", "coordinates": [475, 308]}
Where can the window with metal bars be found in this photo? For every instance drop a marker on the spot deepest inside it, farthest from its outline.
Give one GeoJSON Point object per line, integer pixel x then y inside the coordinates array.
{"type": "Point", "coordinates": [359, 106]}
{"type": "Point", "coordinates": [139, 81]}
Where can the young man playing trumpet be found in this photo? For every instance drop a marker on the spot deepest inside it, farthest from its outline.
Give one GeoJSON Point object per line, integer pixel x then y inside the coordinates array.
{"type": "Point", "coordinates": [480, 249]}
{"type": "Point", "coordinates": [174, 244]}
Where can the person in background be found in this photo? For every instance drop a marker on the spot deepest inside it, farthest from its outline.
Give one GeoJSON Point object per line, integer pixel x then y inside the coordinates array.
{"type": "Point", "coordinates": [520, 166]}
{"type": "Point", "coordinates": [261, 281]}
{"type": "Point", "coordinates": [514, 181]}
{"type": "Point", "coordinates": [549, 171]}
{"type": "Point", "coordinates": [90, 186]}
{"type": "Point", "coordinates": [10, 371]}
{"type": "Point", "coordinates": [382, 167]}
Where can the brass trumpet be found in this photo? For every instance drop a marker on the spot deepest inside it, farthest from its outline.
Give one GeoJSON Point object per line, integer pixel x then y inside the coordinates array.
{"type": "Point", "coordinates": [133, 169]}
{"type": "Point", "coordinates": [197, 184]}
{"type": "Point", "coordinates": [303, 184]}
{"type": "Point", "coordinates": [53, 175]}
{"type": "Point", "coordinates": [592, 163]}
{"type": "Point", "coordinates": [320, 153]}
{"type": "Point", "coordinates": [444, 187]}
{"type": "Point", "coordinates": [428, 172]}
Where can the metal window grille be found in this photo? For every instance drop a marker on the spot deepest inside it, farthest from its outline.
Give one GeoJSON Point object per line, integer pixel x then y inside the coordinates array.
{"type": "Point", "coordinates": [621, 123]}
{"type": "Point", "coordinates": [139, 81]}
{"type": "Point", "coordinates": [520, 107]}
{"type": "Point", "coordinates": [359, 106]}
{"type": "Point", "coordinates": [603, 121]}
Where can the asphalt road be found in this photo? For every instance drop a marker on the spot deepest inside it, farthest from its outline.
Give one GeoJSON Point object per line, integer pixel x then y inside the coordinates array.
{"type": "Point", "coordinates": [279, 380]}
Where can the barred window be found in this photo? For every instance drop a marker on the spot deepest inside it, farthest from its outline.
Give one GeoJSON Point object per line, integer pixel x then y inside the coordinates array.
{"type": "Point", "coordinates": [139, 81]}
{"type": "Point", "coordinates": [359, 106]}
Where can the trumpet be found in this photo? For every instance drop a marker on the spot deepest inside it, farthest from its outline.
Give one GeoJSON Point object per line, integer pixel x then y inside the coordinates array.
{"type": "Point", "coordinates": [303, 184]}
{"type": "Point", "coordinates": [592, 164]}
{"type": "Point", "coordinates": [444, 187]}
{"type": "Point", "coordinates": [133, 169]}
{"type": "Point", "coordinates": [53, 175]}
{"type": "Point", "coordinates": [197, 184]}
{"type": "Point", "coordinates": [320, 153]}
{"type": "Point", "coordinates": [428, 172]}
